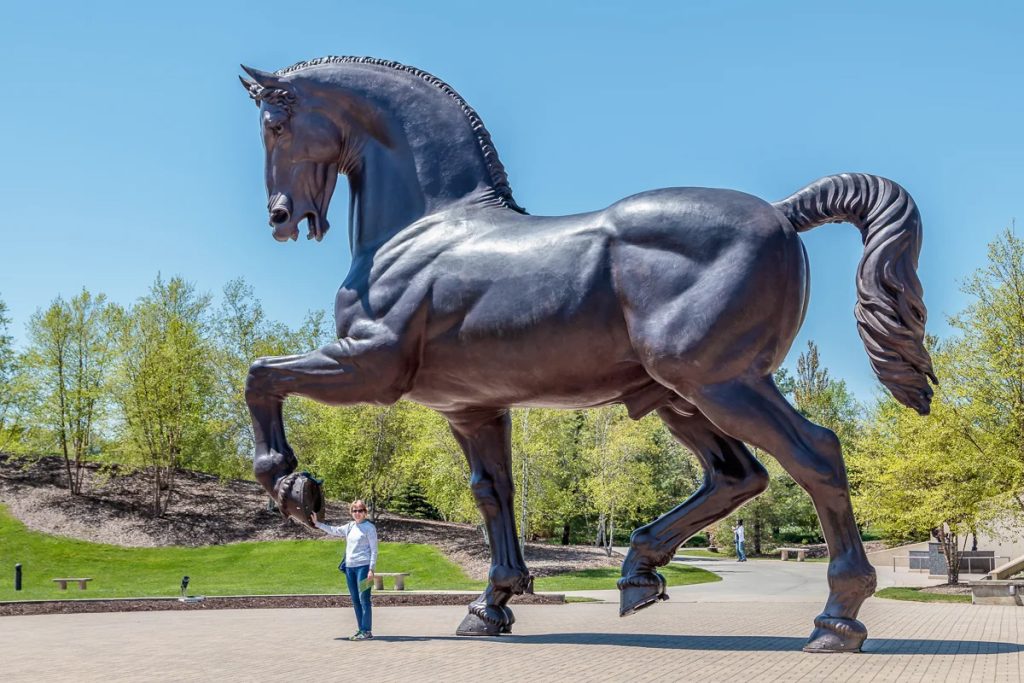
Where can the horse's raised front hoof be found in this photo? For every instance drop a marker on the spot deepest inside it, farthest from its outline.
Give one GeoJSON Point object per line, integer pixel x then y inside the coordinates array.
{"type": "Point", "coordinates": [298, 496]}
{"type": "Point", "coordinates": [486, 620]}
{"type": "Point", "coordinates": [834, 634]}
{"type": "Point", "coordinates": [639, 591]}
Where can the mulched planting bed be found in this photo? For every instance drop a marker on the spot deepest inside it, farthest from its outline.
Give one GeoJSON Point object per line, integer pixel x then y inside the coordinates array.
{"type": "Point", "coordinates": [207, 511]}
{"type": "Point", "coordinates": [8, 609]}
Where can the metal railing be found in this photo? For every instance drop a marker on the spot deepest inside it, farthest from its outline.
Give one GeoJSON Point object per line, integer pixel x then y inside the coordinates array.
{"type": "Point", "coordinates": [968, 565]}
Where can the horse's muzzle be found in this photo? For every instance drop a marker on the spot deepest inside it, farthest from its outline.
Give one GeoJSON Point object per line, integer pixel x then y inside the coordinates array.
{"type": "Point", "coordinates": [280, 207]}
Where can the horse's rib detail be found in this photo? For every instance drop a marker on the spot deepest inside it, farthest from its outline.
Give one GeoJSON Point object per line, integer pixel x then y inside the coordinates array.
{"type": "Point", "coordinates": [890, 310]}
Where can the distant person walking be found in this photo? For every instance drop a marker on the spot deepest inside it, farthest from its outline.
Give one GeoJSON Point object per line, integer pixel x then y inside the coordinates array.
{"type": "Point", "coordinates": [738, 538]}
{"type": "Point", "coordinates": [360, 559]}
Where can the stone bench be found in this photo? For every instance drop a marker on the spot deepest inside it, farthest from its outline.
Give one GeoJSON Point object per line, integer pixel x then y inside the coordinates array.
{"type": "Point", "coordinates": [378, 580]}
{"type": "Point", "coordinates": [64, 583]}
{"type": "Point", "coordinates": [801, 553]}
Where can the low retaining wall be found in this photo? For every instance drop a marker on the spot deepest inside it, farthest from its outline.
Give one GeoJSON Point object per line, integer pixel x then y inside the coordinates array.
{"type": "Point", "coordinates": [389, 599]}
{"type": "Point", "coordinates": [992, 592]}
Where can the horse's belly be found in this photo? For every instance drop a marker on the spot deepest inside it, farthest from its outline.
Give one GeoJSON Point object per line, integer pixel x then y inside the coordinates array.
{"type": "Point", "coordinates": [550, 367]}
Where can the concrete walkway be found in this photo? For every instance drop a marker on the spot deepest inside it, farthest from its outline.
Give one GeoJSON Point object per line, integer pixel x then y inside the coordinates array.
{"type": "Point", "coordinates": [671, 641]}
{"type": "Point", "coordinates": [748, 627]}
{"type": "Point", "coordinates": [765, 581]}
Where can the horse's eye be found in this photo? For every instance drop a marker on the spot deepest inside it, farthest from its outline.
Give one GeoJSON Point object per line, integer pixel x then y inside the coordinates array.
{"type": "Point", "coordinates": [277, 128]}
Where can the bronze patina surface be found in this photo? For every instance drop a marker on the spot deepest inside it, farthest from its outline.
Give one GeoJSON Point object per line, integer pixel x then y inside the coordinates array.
{"type": "Point", "coordinates": [681, 301]}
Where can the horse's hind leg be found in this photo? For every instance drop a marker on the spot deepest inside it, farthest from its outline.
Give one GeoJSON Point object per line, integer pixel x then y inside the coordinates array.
{"type": "Point", "coordinates": [486, 439]}
{"type": "Point", "coordinates": [731, 476]}
{"type": "Point", "coordinates": [757, 413]}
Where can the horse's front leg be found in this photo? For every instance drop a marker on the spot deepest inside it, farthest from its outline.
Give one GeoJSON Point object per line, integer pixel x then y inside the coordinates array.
{"type": "Point", "coordinates": [341, 373]}
{"type": "Point", "coordinates": [486, 439]}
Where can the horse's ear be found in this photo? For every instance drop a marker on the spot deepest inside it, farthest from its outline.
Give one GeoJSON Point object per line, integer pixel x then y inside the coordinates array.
{"type": "Point", "coordinates": [253, 88]}
{"type": "Point", "coordinates": [265, 79]}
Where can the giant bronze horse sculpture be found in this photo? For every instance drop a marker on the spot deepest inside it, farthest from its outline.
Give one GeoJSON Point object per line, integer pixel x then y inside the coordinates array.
{"type": "Point", "coordinates": [680, 301]}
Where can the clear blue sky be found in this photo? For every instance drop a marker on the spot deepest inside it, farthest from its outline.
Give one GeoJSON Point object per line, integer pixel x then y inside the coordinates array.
{"type": "Point", "coordinates": [130, 148]}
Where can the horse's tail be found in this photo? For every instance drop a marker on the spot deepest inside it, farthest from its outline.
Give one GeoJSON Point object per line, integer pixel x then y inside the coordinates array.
{"type": "Point", "coordinates": [890, 310]}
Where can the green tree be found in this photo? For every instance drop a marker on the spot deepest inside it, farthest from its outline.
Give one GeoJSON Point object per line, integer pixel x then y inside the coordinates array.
{"type": "Point", "coordinates": [359, 450]}
{"type": "Point", "coordinates": [13, 394]}
{"type": "Point", "coordinates": [822, 399]}
{"type": "Point", "coordinates": [675, 472]}
{"type": "Point", "coordinates": [545, 469]}
{"type": "Point", "coordinates": [619, 481]}
{"type": "Point", "coordinates": [919, 476]}
{"type": "Point", "coordinates": [241, 334]}
{"type": "Point", "coordinates": [436, 462]}
{"type": "Point", "coordinates": [561, 497]}
{"type": "Point", "coordinates": [987, 367]}
{"type": "Point", "coordinates": [165, 384]}
{"type": "Point", "coordinates": [68, 357]}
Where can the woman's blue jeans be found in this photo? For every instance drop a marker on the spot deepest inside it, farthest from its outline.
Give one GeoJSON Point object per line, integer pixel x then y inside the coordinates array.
{"type": "Point", "coordinates": [360, 601]}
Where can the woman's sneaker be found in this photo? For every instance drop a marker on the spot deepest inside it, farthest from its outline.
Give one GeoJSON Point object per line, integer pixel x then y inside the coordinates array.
{"type": "Point", "coordinates": [357, 636]}
{"type": "Point", "coordinates": [363, 635]}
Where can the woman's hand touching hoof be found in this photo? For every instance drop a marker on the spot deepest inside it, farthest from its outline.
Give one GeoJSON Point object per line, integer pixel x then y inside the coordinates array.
{"type": "Point", "coordinates": [298, 496]}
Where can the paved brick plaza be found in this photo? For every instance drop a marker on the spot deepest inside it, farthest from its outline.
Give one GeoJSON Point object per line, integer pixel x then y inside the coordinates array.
{"type": "Point", "coordinates": [677, 640]}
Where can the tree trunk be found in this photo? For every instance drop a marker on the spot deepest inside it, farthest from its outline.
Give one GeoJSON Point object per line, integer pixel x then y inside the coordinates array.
{"type": "Point", "coordinates": [523, 509]}
{"type": "Point", "coordinates": [948, 545]}
{"type": "Point", "coordinates": [610, 538]}
{"type": "Point", "coordinates": [156, 490]}
{"type": "Point", "coordinates": [565, 533]}
{"type": "Point", "coordinates": [524, 488]}
{"type": "Point", "coordinates": [757, 534]}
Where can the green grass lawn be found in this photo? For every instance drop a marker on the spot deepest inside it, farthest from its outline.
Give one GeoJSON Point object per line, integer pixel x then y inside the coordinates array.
{"type": "Point", "coordinates": [703, 552]}
{"type": "Point", "coordinates": [263, 568]}
{"type": "Point", "coordinates": [605, 578]}
{"type": "Point", "coordinates": [915, 595]}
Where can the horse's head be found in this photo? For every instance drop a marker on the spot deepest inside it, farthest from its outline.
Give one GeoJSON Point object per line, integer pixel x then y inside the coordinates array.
{"type": "Point", "coordinates": [307, 145]}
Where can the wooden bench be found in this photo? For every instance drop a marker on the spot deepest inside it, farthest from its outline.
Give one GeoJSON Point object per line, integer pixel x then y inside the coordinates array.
{"type": "Point", "coordinates": [378, 580]}
{"type": "Point", "coordinates": [64, 583]}
{"type": "Point", "coordinates": [801, 553]}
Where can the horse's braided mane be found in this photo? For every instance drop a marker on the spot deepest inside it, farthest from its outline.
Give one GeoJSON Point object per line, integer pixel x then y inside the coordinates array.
{"type": "Point", "coordinates": [499, 177]}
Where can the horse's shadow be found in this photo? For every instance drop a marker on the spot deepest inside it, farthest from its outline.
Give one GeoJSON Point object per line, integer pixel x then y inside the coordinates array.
{"type": "Point", "coordinates": [873, 646]}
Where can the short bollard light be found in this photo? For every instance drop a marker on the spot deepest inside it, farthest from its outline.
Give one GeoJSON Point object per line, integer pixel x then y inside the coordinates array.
{"type": "Point", "coordinates": [186, 598]}
{"type": "Point", "coordinates": [17, 577]}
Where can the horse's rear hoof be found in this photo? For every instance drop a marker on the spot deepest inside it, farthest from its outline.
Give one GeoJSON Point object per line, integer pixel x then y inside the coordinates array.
{"type": "Point", "coordinates": [473, 625]}
{"type": "Point", "coordinates": [834, 634]}
{"type": "Point", "coordinates": [640, 591]}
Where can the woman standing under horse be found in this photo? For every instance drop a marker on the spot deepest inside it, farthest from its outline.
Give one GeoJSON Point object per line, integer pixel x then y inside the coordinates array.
{"type": "Point", "coordinates": [360, 559]}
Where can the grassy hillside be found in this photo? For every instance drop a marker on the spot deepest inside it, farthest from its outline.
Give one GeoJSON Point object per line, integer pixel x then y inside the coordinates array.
{"type": "Point", "coordinates": [262, 568]}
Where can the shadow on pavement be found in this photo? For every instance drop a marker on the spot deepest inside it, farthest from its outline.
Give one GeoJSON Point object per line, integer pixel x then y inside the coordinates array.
{"type": "Point", "coordinates": [873, 646]}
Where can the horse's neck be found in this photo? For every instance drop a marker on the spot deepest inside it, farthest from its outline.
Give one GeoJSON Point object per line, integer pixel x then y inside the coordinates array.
{"type": "Point", "coordinates": [389, 194]}
{"type": "Point", "coordinates": [432, 161]}
{"type": "Point", "coordinates": [386, 196]}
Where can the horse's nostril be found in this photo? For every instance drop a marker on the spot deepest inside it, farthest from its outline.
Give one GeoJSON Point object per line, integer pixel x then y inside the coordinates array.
{"type": "Point", "coordinates": [279, 216]}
